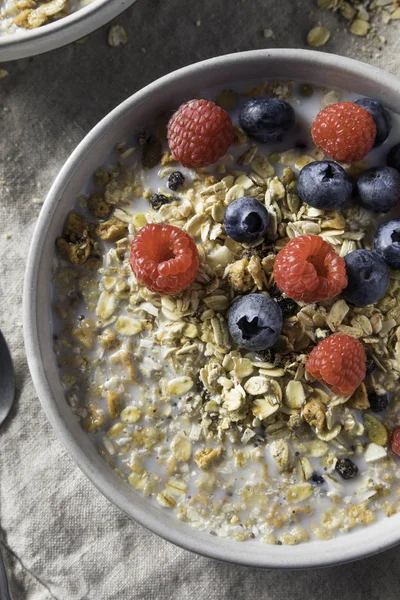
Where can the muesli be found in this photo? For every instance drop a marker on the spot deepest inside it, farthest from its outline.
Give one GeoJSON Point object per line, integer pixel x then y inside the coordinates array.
{"type": "Point", "coordinates": [20, 15]}
{"type": "Point", "coordinates": [227, 317]}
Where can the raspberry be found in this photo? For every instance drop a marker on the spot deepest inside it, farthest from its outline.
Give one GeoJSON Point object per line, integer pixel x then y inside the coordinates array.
{"type": "Point", "coordinates": [395, 442]}
{"type": "Point", "coordinates": [309, 270]}
{"type": "Point", "coordinates": [199, 133]}
{"type": "Point", "coordinates": [164, 258]}
{"type": "Point", "coordinates": [345, 131]}
{"type": "Point", "coordinates": [339, 362]}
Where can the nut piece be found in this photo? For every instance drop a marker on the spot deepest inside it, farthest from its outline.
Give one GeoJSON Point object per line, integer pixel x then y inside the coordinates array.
{"type": "Point", "coordinates": [111, 230]}
{"type": "Point", "coordinates": [376, 430]}
{"type": "Point", "coordinates": [314, 413]}
{"type": "Point", "coordinates": [181, 447]}
{"type": "Point", "coordinates": [238, 276]}
{"type": "Point", "coordinates": [204, 457]}
{"type": "Point", "coordinates": [280, 453]}
{"type": "Point", "coordinates": [99, 207]}
{"type": "Point", "coordinates": [374, 452]}
{"type": "Point", "coordinates": [75, 244]}
{"type": "Point", "coordinates": [359, 399]}
{"type": "Point", "coordinates": [113, 403]}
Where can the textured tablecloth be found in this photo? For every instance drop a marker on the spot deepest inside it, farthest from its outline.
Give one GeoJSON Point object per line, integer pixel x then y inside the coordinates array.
{"type": "Point", "coordinates": [61, 538]}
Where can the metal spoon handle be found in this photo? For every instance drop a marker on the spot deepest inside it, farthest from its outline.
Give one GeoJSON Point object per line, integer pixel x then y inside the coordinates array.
{"type": "Point", "coordinates": [4, 589]}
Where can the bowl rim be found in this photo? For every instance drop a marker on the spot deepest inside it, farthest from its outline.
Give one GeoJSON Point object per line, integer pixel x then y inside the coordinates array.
{"type": "Point", "coordinates": [191, 539]}
{"type": "Point", "coordinates": [70, 28]}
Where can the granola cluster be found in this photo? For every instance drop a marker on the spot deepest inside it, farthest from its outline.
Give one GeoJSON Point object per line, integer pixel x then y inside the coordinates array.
{"type": "Point", "coordinates": [30, 14]}
{"type": "Point", "coordinates": [238, 443]}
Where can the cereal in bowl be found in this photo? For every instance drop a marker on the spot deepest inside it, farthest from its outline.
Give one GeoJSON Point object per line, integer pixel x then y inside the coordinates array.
{"type": "Point", "coordinates": [226, 313]}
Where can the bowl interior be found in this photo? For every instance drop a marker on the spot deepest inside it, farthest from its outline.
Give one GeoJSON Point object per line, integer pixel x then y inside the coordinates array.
{"type": "Point", "coordinates": [306, 66]}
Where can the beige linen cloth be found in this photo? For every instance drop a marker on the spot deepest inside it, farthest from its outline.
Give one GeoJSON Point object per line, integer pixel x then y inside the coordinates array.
{"type": "Point", "coordinates": [61, 538]}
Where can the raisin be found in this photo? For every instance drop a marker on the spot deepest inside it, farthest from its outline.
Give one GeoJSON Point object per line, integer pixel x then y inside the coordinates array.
{"type": "Point", "coordinates": [268, 355]}
{"type": "Point", "coordinates": [158, 200]}
{"type": "Point", "coordinates": [275, 292]}
{"type": "Point", "coordinates": [346, 468]}
{"type": "Point", "coordinates": [175, 180]}
{"type": "Point", "coordinates": [378, 402]}
{"type": "Point", "coordinates": [318, 479]}
{"type": "Point", "coordinates": [370, 366]}
{"type": "Point", "coordinates": [288, 306]}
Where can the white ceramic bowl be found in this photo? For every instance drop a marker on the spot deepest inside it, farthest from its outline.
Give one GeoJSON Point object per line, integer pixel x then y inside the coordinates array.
{"type": "Point", "coordinates": [169, 91]}
{"type": "Point", "coordinates": [61, 32]}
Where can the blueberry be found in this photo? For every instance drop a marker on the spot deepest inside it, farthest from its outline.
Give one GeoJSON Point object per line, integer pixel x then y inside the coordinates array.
{"type": "Point", "coordinates": [367, 275]}
{"type": "Point", "coordinates": [175, 180]}
{"type": "Point", "coordinates": [246, 220]}
{"type": "Point", "coordinates": [379, 189]}
{"type": "Point", "coordinates": [324, 184]}
{"type": "Point", "coordinates": [387, 243]}
{"type": "Point", "coordinates": [266, 120]}
{"type": "Point", "coordinates": [378, 402]}
{"type": "Point", "coordinates": [393, 157]}
{"type": "Point", "coordinates": [381, 117]}
{"type": "Point", "coordinates": [255, 322]}
{"type": "Point", "coordinates": [346, 468]}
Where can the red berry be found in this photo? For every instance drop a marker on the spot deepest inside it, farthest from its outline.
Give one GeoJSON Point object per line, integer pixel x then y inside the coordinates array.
{"type": "Point", "coordinates": [164, 258]}
{"type": "Point", "coordinates": [199, 133]}
{"type": "Point", "coordinates": [308, 269]}
{"type": "Point", "coordinates": [345, 131]}
{"type": "Point", "coordinates": [339, 362]}
{"type": "Point", "coordinates": [395, 442]}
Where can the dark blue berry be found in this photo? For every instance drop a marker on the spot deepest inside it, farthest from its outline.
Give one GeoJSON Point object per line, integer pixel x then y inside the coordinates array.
{"type": "Point", "coordinates": [266, 120]}
{"type": "Point", "coordinates": [346, 468]}
{"type": "Point", "coordinates": [324, 184]}
{"type": "Point", "coordinates": [367, 277]}
{"type": "Point", "coordinates": [393, 157]}
{"type": "Point", "coordinates": [175, 180]}
{"type": "Point", "coordinates": [378, 402]}
{"type": "Point", "coordinates": [379, 189]}
{"type": "Point", "coordinates": [318, 479]}
{"type": "Point", "coordinates": [255, 322]}
{"type": "Point", "coordinates": [387, 243]}
{"type": "Point", "coordinates": [381, 117]}
{"type": "Point", "coordinates": [246, 220]}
